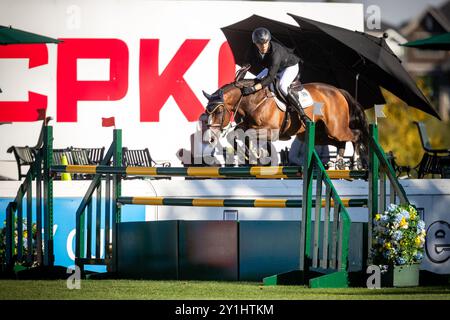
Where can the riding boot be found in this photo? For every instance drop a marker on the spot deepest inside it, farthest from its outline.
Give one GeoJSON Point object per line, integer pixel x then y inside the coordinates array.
{"type": "Point", "coordinates": [294, 101]}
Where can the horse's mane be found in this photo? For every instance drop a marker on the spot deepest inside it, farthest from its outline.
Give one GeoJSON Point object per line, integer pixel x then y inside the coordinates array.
{"type": "Point", "coordinates": [217, 97]}
{"type": "Point", "coordinates": [239, 84]}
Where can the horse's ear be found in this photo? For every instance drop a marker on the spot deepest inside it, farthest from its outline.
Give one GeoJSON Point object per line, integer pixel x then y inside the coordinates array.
{"type": "Point", "coordinates": [207, 96]}
{"type": "Point", "coordinates": [240, 74]}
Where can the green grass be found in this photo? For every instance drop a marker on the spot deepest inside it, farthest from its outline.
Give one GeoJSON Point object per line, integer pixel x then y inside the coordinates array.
{"type": "Point", "coordinates": [200, 290]}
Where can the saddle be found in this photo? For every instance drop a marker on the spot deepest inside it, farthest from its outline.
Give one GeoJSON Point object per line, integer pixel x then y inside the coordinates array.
{"type": "Point", "coordinates": [284, 105]}
{"type": "Point", "coordinates": [298, 89]}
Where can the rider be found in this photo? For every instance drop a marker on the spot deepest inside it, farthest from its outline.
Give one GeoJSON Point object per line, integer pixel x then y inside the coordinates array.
{"type": "Point", "coordinates": [276, 61]}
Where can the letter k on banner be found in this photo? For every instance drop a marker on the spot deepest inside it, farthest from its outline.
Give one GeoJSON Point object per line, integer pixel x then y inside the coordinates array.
{"type": "Point", "coordinates": [156, 88]}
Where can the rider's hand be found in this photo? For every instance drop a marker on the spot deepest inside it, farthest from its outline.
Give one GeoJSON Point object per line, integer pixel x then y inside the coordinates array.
{"type": "Point", "coordinates": [248, 90]}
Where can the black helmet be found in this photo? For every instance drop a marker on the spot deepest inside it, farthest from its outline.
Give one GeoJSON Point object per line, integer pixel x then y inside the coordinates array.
{"type": "Point", "coordinates": [261, 35]}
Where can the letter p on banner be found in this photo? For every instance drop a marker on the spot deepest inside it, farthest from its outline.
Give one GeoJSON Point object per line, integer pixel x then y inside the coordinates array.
{"type": "Point", "coordinates": [70, 90]}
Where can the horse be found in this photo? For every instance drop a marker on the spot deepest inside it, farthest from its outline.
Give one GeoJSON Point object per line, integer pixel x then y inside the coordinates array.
{"type": "Point", "coordinates": [342, 118]}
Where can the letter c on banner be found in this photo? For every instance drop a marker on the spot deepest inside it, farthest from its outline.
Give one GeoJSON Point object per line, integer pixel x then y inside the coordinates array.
{"type": "Point", "coordinates": [70, 244]}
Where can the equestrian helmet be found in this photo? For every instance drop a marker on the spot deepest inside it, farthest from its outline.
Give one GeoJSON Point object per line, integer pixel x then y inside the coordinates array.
{"type": "Point", "coordinates": [261, 35]}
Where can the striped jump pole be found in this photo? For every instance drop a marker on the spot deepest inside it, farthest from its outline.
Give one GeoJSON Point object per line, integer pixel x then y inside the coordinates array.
{"type": "Point", "coordinates": [242, 203]}
{"type": "Point", "coordinates": [275, 172]}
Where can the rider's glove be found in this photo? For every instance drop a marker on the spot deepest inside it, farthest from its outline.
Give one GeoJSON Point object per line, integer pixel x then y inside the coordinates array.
{"type": "Point", "coordinates": [248, 90]}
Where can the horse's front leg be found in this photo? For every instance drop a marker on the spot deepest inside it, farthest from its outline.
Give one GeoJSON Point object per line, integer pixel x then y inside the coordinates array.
{"type": "Point", "coordinates": [340, 163]}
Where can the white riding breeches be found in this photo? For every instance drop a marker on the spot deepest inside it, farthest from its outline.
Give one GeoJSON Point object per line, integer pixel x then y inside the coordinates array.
{"type": "Point", "coordinates": [286, 77]}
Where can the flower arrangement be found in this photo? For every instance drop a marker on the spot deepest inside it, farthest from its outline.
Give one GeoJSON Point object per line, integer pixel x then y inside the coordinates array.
{"type": "Point", "coordinates": [16, 242]}
{"type": "Point", "coordinates": [398, 236]}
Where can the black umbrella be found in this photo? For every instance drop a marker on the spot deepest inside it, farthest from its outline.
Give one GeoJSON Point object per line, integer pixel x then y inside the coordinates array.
{"type": "Point", "coordinates": [9, 35]}
{"type": "Point", "coordinates": [320, 65]}
{"type": "Point", "coordinates": [373, 57]}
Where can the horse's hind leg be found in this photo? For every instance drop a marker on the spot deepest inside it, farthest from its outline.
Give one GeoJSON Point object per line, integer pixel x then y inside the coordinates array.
{"type": "Point", "coordinates": [359, 155]}
{"type": "Point", "coordinates": [357, 162]}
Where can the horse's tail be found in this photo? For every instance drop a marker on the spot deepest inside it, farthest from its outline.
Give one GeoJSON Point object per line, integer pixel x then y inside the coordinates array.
{"type": "Point", "coordinates": [358, 120]}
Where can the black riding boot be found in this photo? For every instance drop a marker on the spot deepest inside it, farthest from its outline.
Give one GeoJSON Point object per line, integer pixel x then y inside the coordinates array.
{"type": "Point", "coordinates": [293, 99]}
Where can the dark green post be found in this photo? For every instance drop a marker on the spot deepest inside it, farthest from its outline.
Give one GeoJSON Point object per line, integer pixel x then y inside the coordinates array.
{"type": "Point", "coordinates": [117, 188]}
{"type": "Point", "coordinates": [374, 166]}
{"type": "Point", "coordinates": [81, 230]}
{"type": "Point", "coordinates": [48, 197]}
{"type": "Point", "coordinates": [305, 230]}
{"type": "Point", "coordinates": [38, 170]}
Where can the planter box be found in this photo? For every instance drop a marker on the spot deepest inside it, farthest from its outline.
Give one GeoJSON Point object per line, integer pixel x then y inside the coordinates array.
{"type": "Point", "coordinates": [401, 276]}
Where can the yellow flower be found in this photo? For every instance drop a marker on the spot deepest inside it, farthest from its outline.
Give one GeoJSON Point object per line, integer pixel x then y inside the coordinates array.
{"type": "Point", "coordinates": [387, 245]}
{"type": "Point", "coordinates": [403, 224]}
{"type": "Point", "coordinates": [377, 217]}
{"type": "Point", "coordinates": [418, 241]}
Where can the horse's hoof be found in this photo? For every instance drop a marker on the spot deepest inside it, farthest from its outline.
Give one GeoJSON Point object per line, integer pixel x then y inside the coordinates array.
{"type": "Point", "coordinates": [340, 164]}
{"type": "Point", "coordinates": [330, 165]}
{"type": "Point", "coordinates": [347, 165]}
{"type": "Point", "coordinates": [358, 165]}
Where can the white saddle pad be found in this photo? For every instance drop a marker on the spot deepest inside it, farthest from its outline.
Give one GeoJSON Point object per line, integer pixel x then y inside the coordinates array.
{"type": "Point", "coordinates": [305, 99]}
{"type": "Point", "coordinates": [280, 104]}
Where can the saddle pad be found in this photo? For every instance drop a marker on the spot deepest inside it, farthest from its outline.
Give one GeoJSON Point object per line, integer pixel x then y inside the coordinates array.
{"type": "Point", "coordinates": [280, 104]}
{"type": "Point", "coordinates": [305, 98]}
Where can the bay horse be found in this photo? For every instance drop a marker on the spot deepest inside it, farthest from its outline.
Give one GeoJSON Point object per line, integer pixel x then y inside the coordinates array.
{"type": "Point", "coordinates": [342, 118]}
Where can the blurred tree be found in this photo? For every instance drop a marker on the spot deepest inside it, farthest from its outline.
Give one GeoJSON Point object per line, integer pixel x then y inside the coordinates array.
{"type": "Point", "coordinates": [398, 132]}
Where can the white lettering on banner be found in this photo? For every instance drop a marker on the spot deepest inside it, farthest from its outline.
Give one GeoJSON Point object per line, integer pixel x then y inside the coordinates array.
{"type": "Point", "coordinates": [55, 227]}
{"type": "Point", "coordinates": [69, 244]}
{"type": "Point", "coordinates": [102, 242]}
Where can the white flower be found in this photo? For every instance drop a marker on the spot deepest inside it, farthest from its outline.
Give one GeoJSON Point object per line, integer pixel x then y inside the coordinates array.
{"type": "Point", "coordinates": [392, 207]}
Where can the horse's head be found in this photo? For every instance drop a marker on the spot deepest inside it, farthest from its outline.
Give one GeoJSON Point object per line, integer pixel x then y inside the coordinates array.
{"type": "Point", "coordinates": [222, 107]}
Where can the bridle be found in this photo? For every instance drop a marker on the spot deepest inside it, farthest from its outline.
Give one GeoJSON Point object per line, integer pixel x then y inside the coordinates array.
{"type": "Point", "coordinates": [220, 106]}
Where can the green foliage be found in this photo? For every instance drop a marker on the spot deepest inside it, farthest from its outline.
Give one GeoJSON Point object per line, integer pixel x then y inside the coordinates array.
{"type": "Point", "coordinates": [398, 132]}
{"type": "Point", "coordinates": [22, 261]}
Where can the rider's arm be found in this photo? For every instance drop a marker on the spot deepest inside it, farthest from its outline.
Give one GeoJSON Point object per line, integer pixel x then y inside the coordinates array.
{"type": "Point", "coordinates": [273, 70]}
